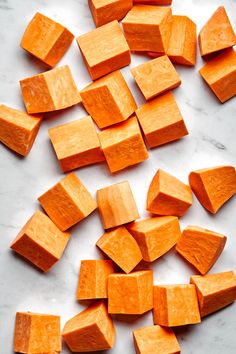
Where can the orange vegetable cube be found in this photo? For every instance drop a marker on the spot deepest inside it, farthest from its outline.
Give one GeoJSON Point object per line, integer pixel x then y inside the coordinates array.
{"type": "Point", "coordinates": [156, 76]}
{"type": "Point", "coordinates": [167, 195]}
{"type": "Point", "coordinates": [46, 39]}
{"type": "Point", "coordinates": [130, 294]}
{"type": "Point", "coordinates": [76, 144]}
{"type": "Point", "coordinates": [41, 242]}
{"type": "Point", "coordinates": [116, 205]}
{"type": "Point", "coordinates": [175, 305]}
{"type": "Point", "coordinates": [123, 145]}
{"type": "Point", "coordinates": [93, 278]}
{"type": "Point", "coordinates": [104, 49]}
{"type": "Point", "coordinates": [91, 330]}
{"type": "Point", "coordinates": [121, 247]}
{"type": "Point", "coordinates": [68, 202]}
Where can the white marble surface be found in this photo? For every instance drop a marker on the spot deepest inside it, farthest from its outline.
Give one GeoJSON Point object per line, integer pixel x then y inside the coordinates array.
{"type": "Point", "coordinates": [211, 142]}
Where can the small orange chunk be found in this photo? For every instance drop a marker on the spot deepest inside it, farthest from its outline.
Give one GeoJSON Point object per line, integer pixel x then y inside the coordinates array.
{"type": "Point", "coordinates": [167, 195]}
{"type": "Point", "coordinates": [161, 120]}
{"type": "Point", "coordinates": [130, 294]}
{"type": "Point", "coordinates": [50, 91]}
{"type": "Point", "coordinates": [37, 333]}
{"type": "Point", "coordinates": [68, 202]}
{"type": "Point", "coordinates": [105, 11]}
{"type": "Point", "coordinates": [175, 305]}
{"type": "Point", "coordinates": [156, 76]}
{"type": "Point", "coordinates": [123, 145]}
{"type": "Point", "coordinates": [41, 242]}
{"type": "Point", "coordinates": [200, 247]}
{"type": "Point", "coordinates": [116, 205]}
{"type": "Point", "coordinates": [148, 28]}
{"type": "Point", "coordinates": [217, 33]}
{"type": "Point", "coordinates": [155, 340]}
{"type": "Point", "coordinates": [155, 236]}
{"type": "Point", "coordinates": [93, 278]}
{"type": "Point", "coordinates": [18, 130]}
{"type": "Point", "coordinates": [183, 41]}
{"type": "Point", "coordinates": [46, 39]}
{"type": "Point", "coordinates": [214, 291]}
{"type": "Point", "coordinates": [108, 100]}
{"type": "Point", "coordinates": [104, 49]}
{"type": "Point", "coordinates": [220, 75]}
{"type": "Point", "coordinates": [213, 186]}
{"type": "Point", "coordinates": [91, 330]}
{"type": "Point", "coordinates": [121, 247]}
{"type": "Point", "coordinates": [153, 2]}
{"type": "Point", "coordinates": [76, 144]}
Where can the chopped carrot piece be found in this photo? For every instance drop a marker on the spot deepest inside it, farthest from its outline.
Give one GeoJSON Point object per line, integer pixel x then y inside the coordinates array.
{"type": "Point", "coordinates": [121, 247]}
{"type": "Point", "coordinates": [217, 33]}
{"type": "Point", "coordinates": [99, 55]}
{"type": "Point", "coordinates": [37, 333]}
{"type": "Point", "coordinates": [155, 236]}
{"type": "Point", "coordinates": [167, 195]}
{"type": "Point", "coordinates": [130, 294]}
{"type": "Point", "coordinates": [68, 202]}
{"type": "Point", "coordinates": [148, 28]}
{"type": "Point", "coordinates": [153, 2]}
{"type": "Point", "coordinates": [116, 205]}
{"type": "Point", "coordinates": [18, 130]}
{"type": "Point", "coordinates": [106, 11]}
{"type": "Point", "coordinates": [214, 291]}
{"type": "Point", "coordinates": [41, 242]}
{"type": "Point", "coordinates": [91, 330]}
{"type": "Point", "coordinates": [155, 339]}
{"type": "Point", "coordinates": [76, 144]}
{"type": "Point", "coordinates": [161, 120]}
{"type": "Point", "coordinates": [200, 247]}
{"type": "Point", "coordinates": [93, 278]}
{"type": "Point", "coordinates": [213, 186]}
{"type": "Point", "coordinates": [123, 145]}
{"type": "Point", "coordinates": [46, 39]}
{"type": "Point", "coordinates": [175, 305]}
{"type": "Point", "coordinates": [108, 100]}
{"type": "Point", "coordinates": [163, 77]}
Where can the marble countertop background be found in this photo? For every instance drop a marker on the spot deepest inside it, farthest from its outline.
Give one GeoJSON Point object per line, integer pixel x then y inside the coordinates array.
{"type": "Point", "coordinates": [211, 142]}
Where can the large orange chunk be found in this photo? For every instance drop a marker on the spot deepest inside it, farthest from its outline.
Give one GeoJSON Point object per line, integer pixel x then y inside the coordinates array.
{"type": "Point", "coordinates": [155, 236]}
{"type": "Point", "coordinates": [68, 202]}
{"type": "Point", "coordinates": [155, 340]}
{"type": "Point", "coordinates": [116, 205]}
{"type": "Point", "coordinates": [37, 333]}
{"type": "Point", "coordinates": [175, 305]}
{"type": "Point", "coordinates": [213, 186]}
{"type": "Point", "coordinates": [41, 242]}
{"type": "Point", "coordinates": [200, 247]}
{"type": "Point", "coordinates": [91, 330]}
{"type": "Point", "coordinates": [153, 2]}
{"type": "Point", "coordinates": [18, 129]}
{"type": "Point", "coordinates": [148, 28]}
{"type": "Point", "coordinates": [130, 294]}
{"type": "Point", "coordinates": [104, 11]}
{"type": "Point", "coordinates": [214, 291]}
{"type": "Point", "coordinates": [121, 247]}
{"type": "Point", "coordinates": [220, 75]}
{"type": "Point", "coordinates": [50, 91]}
{"type": "Point", "coordinates": [93, 278]}
{"type": "Point", "coordinates": [183, 41]}
{"type": "Point", "coordinates": [167, 195]}
{"type": "Point", "coordinates": [108, 100]}
{"type": "Point", "coordinates": [46, 39]}
{"type": "Point", "coordinates": [76, 144]}
{"type": "Point", "coordinates": [161, 120]}
{"type": "Point", "coordinates": [123, 145]}
{"type": "Point", "coordinates": [217, 33]}
{"type": "Point", "coordinates": [104, 49]}
{"type": "Point", "coordinates": [156, 76]}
